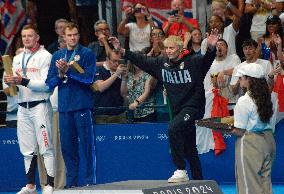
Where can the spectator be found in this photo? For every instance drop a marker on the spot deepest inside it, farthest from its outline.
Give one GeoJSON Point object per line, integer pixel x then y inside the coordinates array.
{"type": "Point", "coordinates": [278, 90]}
{"type": "Point", "coordinates": [156, 43]}
{"type": "Point", "coordinates": [255, 144]}
{"type": "Point", "coordinates": [75, 104]}
{"type": "Point", "coordinates": [34, 111]}
{"type": "Point", "coordinates": [227, 33]}
{"type": "Point", "coordinates": [218, 8]}
{"type": "Point", "coordinates": [138, 90]}
{"type": "Point", "coordinates": [59, 29]}
{"type": "Point", "coordinates": [270, 48]}
{"type": "Point", "coordinates": [139, 30]}
{"type": "Point", "coordinates": [62, 43]}
{"type": "Point", "coordinates": [217, 79]}
{"type": "Point", "coordinates": [235, 8]}
{"type": "Point", "coordinates": [178, 24]}
{"type": "Point", "coordinates": [157, 49]}
{"type": "Point", "coordinates": [101, 47]}
{"type": "Point", "coordinates": [277, 9]}
{"type": "Point", "coordinates": [192, 41]}
{"type": "Point", "coordinates": [108, 81]}
{"type": "Point", "coordinates": [250, 52]}
{"type": "Point", "coordinates": [186, 94]}
{"type": "Point", "coordinates": [227, 9]}
{"type": "Point", "coordinates": [260, 9]}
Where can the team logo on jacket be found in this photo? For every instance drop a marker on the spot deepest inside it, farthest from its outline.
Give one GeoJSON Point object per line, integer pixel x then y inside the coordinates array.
{"type": "Point", "coordinates": [76, 57]}
{"type": "Point", "coordinates": [166, 65]}
{"type": "Point", "coordinates": [186, 117]}
{"type": "Point", "coordinates": [44, 135]}
{"type": "Point", "coordinates": [181, 66]}
{"type": "Point", "coordinates": [176, 77]}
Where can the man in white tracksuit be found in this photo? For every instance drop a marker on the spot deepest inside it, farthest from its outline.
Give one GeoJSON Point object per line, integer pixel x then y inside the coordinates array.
{"type": "Point", "coordinates": [30, 69]}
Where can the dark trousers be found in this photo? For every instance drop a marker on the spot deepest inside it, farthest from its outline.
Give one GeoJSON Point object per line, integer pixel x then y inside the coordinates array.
{"type": "Point", "coordinates": [77, 127]}
{"type": "Point", "coordinates": [182, 139]}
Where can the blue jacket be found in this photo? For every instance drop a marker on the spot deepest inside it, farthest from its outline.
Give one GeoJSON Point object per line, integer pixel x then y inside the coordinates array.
{"type": "Point", "coordinates": [76, 93]}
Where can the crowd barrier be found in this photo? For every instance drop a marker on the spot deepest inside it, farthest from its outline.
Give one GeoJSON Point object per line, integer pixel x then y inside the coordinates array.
{"type": "Point", "coordinates": [133, 152]}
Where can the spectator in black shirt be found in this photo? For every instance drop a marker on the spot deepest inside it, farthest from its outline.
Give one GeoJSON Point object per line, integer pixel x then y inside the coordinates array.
{"type": "Point", "coordinates": [101, 47]}
{"type": "Point", "coordinates": [59, 29]}
{"type": "Point", "coordinates": [108, 82]}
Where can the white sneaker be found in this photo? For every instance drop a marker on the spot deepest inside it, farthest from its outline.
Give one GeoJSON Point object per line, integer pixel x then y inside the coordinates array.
{"type": "Point", "coordinates": [47, 189]}
{"type": "Point", "coordinates": [179, 176]}
{"type": "Point", "coordinates": [26, 190]}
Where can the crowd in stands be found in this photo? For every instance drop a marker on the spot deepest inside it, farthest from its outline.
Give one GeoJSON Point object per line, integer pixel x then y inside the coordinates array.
{"type": "Point", "coordinates": [250, 31]}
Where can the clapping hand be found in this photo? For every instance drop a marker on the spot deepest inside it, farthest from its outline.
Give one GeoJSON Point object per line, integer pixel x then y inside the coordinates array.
{"type": "Point", "coordinates": [62, 66]}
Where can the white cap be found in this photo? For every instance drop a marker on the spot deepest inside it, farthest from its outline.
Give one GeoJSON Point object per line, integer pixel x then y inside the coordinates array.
{"type": "Point", "coordinates": [251, 69]}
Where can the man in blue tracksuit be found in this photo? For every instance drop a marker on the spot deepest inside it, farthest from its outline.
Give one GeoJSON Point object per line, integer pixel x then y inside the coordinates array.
{"type": "Point", "coordinates": [75, 103]}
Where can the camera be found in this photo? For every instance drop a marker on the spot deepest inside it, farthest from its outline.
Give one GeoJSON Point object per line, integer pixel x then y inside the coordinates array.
{"type": "Point", "coordinates": [138, 10]}
{"type": "Point", "coordinates": [123, 62]}
{"type": "Point", "coordinates": [173, 12]}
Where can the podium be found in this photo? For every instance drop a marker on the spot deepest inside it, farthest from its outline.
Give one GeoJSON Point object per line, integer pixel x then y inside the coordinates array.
{"type": "Point", "coordinates": [148, 187]}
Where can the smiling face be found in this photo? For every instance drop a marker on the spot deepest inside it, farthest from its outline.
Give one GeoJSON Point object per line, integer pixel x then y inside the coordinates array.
{"type": "Point", "coordinates": [218, 8]}
{"type": "Point", "coordinates": [172, 49]}
{"type": "Point", "coordinates": [157, 35]}
{"type": "Point", "coordinates": [249, 52]}
{"type": "Point", "coordinates": [29, 38]}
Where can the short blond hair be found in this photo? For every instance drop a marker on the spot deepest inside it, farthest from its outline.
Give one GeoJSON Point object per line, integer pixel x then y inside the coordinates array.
{"type": "Point", "coordinates": [175, 39]}
{"type": "Point", "coordinates": [220, 3]}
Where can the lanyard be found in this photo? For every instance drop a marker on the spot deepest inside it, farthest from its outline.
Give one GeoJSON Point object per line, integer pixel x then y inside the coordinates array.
{"type": "Point", "coordinates": [73, 54]}
{"type": "Point", "coordinates": [24, 65]}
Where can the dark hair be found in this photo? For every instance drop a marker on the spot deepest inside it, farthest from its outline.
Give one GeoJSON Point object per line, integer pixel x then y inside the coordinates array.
{"type": "Point", "coordinates": [157, 28]}
{"type": "Point", "coordinates": [31, 26]}
{"type": "Point", "coordinates": [132, 17]}
{"type": "Point", "coordinates": [222, 40]}
{"type": "Point", "coordinates": [249, 42]}
{"type": "Point", "coordinates": [189, 45]}
{"type": "Point", "coordinates": [274, 20]}
{"type": "Point", "coordinates": [259, 92]}
{"type": "Point", "coordinates": [114, 52]}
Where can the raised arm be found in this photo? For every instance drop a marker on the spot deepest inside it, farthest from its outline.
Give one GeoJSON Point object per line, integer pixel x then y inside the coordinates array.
{"type": "Point", "coordinates": [150, 65]}
{"type": "Point", "coordinates": [210, 54]}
